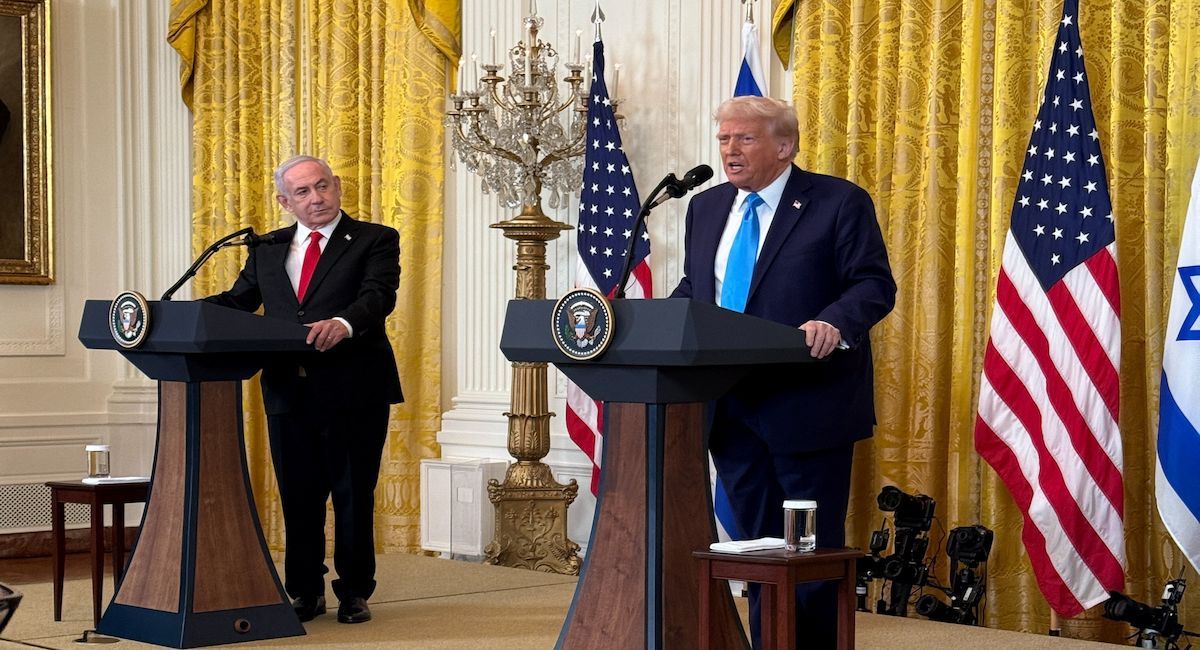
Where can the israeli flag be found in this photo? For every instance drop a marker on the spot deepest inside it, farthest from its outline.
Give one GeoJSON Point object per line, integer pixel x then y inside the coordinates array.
{"type": "Point", "coordinates": [751, 80]}
{"type": "Point", "coordinates": [1177, 483]}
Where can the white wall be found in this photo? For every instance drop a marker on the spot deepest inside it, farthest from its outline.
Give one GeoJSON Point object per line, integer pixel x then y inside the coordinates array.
{"type": "Point", "coordinates": [679, 60]}
{"type": "Point", "coordinates": [120, 147]}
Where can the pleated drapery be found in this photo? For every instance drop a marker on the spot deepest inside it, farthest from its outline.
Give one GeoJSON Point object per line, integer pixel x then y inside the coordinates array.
{"type": "Point", "coordinates": [361, 84]}
{"type": "Point", "coordinates": [929, 105]}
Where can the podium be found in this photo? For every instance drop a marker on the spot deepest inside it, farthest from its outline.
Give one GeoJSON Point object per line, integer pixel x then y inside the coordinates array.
{"type": "Point", "coordinates": [200, 573]}
{"type": "Point", "coordinates": [638, 585]}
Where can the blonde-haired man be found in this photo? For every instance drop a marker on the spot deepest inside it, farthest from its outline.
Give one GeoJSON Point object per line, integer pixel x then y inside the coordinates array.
{"type": "Point", "coordinates": [805, 250]}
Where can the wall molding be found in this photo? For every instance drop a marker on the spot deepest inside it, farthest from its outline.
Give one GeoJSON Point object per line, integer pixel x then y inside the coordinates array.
{"type": "Point", "coordinates": [53, 343]}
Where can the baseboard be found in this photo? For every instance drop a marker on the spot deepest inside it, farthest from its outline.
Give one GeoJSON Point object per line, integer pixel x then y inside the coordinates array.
{"type": "Point", "coordinates": [41, 543]}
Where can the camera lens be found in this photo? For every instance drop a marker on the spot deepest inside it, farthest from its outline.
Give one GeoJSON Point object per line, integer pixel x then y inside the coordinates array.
{"type": "Point", "coordinates": [889, 498]}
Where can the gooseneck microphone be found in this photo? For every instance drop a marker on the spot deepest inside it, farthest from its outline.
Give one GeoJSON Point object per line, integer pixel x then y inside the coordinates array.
{"type": "Point", "coordinates": [675, 188]}
{"type": "Point", "coordinates": [248, 239]}
{"type": "Point", "coordinates": [670, 188]}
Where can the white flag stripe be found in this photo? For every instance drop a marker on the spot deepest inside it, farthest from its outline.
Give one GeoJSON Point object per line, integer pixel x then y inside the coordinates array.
{"type": "Point", "coordinates": [1105, 323]}
{"type": "Point", "coordinates": [1062, 353]}
{"type": "Point", "coordinates": [1097, 509]}
{"type": "Point", "coordinates": [1182, 524]}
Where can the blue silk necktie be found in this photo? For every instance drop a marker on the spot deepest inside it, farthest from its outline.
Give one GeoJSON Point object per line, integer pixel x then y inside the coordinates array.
{"type": "Point", "coordinates": [739, 269]}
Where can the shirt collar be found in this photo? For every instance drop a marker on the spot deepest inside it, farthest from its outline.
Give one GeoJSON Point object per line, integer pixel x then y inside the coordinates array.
{"type": "Point", "coordinates": [771, 194]}
{"type": "Point", "coordinates": [326, 231]}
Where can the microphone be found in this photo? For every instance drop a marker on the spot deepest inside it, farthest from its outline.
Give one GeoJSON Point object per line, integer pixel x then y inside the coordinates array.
{"type": "Point", "coordinates": [251, 240]}
{"type": "Point", "coordinates": [674, 188]}
{"type": "Point", "coordinates": [671, 188]}
{"type": "Point", "coordinates": [248, 239]}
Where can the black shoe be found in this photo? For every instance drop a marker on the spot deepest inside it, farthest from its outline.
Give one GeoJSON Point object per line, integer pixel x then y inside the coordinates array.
{"type": "Point", "coordinates": [308, 607]}
{"type": "Point", "coordinates": [354, 610]}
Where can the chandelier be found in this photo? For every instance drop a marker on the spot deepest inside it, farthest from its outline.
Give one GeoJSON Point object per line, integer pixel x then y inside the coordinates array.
{"type": "Point", "coordinates": [520, 134]}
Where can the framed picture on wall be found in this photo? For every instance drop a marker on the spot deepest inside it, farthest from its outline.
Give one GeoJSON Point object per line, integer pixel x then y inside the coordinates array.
{"type": "Point", "coordinates": [26, 228]}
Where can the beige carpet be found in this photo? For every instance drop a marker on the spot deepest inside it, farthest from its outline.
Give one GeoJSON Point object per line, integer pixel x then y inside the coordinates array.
{"type": "Point", "coordinates": [427, 603]}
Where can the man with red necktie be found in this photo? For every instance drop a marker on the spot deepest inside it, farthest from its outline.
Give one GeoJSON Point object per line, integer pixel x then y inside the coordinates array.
{"type": "Point", "coordinates": [327, 410]}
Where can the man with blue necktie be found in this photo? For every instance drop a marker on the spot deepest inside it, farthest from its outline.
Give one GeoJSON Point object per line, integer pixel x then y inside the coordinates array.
{"type": "Point", "coordinates": [802, 249]}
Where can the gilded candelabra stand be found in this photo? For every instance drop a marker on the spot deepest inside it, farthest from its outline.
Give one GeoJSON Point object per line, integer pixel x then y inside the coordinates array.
{"type": "Point", "coordinates": [511, 133]}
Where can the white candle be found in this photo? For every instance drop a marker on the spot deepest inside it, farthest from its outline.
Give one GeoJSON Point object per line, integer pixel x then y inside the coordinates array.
{"type": "Point", "coordinates": [578, 35]}
{"type": "Point", "coordinates": [462, 73]}
{"type": "Point", "coordinates": [494, 59]}
{"type": "Point", "coordinates": [616, 79]}
{"type": "Point", "coordinates": [529, 57]}
{"type": "Point", "coordinates": [475, 69]}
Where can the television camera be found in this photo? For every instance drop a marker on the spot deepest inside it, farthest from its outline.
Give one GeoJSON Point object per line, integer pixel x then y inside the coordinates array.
{"type": "Point", "coordinates": [1155, 625]}
{"type": "Point", "coordinates": [906, 568]}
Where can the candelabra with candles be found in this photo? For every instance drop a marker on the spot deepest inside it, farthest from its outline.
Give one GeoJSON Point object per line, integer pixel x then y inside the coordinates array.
{"type": "Point", "coordinates": [511, 133]}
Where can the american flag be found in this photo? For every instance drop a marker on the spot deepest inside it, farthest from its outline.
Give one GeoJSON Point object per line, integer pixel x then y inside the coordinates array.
{"type": "Point", "coordinates": [1048, 398]}
{"type": "Point", "coordinates": [608, 208]}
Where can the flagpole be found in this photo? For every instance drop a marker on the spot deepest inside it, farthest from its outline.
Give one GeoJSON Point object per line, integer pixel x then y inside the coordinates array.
{"type": "Point", "coordinates": [1055, 629]}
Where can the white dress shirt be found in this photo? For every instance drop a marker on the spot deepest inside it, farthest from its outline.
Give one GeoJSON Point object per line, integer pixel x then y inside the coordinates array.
{"type": "Point", "coordinates": [295, 258]}
{"type": "Point", "coordinates": [771, 195]}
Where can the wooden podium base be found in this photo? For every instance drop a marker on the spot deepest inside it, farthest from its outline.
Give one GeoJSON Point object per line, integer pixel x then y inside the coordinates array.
{"type": "Point", "coordinates": [653, 511]}
{"type": "Point", "coordinates": [200, 573]}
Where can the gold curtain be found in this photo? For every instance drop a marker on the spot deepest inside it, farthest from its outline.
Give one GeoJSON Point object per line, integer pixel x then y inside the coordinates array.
{"type": "Point", "coordinates": [359, 84]}
{"type": "Point", "coordinates": [929, 105]}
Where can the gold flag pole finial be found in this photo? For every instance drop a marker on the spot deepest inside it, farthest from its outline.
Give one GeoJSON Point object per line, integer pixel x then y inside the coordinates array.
{"type": "Point", "coordinates": [749, 5]}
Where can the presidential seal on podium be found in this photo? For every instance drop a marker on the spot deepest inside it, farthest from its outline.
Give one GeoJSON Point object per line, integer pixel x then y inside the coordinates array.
{"type": "Point", "coordinates": [129, 319]}
{"type": "Point", "coordinates": [582, 323]}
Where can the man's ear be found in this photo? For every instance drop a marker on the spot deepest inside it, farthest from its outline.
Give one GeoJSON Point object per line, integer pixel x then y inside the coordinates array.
{"type": "Point", "coordinates": [786, 150]}
{"type": "Point", "coordinates": [283, 201]}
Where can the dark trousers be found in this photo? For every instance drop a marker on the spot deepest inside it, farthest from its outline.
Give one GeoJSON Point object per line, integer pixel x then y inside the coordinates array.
{"type": "Point", "coordinates": [318, 452]}
{"type": "Point", "coordinates": [758, 482]}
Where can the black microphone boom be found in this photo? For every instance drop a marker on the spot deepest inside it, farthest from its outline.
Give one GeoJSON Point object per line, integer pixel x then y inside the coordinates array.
{"type": "Point", "coordinates": [248, 238]}
{"type": "Point", "coordinates": [672, 188]}
{"type": "Point", "coordinates": [675, 188]}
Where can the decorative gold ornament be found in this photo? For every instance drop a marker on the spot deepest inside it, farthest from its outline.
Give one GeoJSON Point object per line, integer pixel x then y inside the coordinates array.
{"type": "Point", "coordinates": [510, 133]}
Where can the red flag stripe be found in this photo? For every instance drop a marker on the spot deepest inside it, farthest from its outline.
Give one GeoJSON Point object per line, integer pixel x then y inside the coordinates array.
{"type": "Point", "coordinates": [1093, 359]}
{"type": "Point", "coordinates": [1061, 395]}
{"type": "Point", "coordinates": [1002, 458]}
{"type": "Point", "coordinates": [1046, 470]}
{"type": "Point", "coordinates": [1104, 269]}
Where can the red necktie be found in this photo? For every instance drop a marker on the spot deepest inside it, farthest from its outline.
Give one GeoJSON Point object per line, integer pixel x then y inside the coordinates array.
{"type": "Point", "coordinates": [311, 254]}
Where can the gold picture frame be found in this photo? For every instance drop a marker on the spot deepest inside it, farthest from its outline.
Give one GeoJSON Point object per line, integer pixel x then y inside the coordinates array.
{"type": "Point", "coordinates": [26, 224]}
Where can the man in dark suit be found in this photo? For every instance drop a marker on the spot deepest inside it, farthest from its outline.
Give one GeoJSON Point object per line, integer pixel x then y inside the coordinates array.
{"type": "Point", "coordinates": [805, 250]}
{"type": "Point", "coordinates": [327, 410]}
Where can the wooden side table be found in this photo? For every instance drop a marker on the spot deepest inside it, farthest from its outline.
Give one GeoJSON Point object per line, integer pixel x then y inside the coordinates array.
{"type": "Point", "coordinates": [779, 571]}
{"type": "Point", "coordinates": [96, 496]}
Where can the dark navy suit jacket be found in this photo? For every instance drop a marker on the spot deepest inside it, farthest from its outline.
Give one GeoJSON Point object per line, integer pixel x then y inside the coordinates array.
{"type": "Point", "coordinates": [823, 259]}
{"type": "Point", "coordinates": [356, 278]}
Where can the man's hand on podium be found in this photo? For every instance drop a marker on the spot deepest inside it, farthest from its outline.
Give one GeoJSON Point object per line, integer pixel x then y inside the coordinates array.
{"type": "Point", "coordinates": [325, 334]}
{"type": "Point", "coordinates": [821, 337]}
